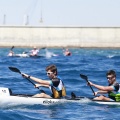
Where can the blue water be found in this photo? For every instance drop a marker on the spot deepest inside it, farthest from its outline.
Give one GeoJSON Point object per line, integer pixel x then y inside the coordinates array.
{"type": "Point", "coordinates": [92, 62]}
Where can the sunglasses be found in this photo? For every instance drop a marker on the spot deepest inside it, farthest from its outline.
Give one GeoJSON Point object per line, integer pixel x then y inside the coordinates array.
{"type": "Point", "coordinates": [110, 77]}
{"type": "Point", "coordinates": [49, 73]}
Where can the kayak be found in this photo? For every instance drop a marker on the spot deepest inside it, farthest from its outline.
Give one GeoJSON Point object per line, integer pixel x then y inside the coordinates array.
{"type": "Point", "coordinates": [106, 102]}
{"type": "Point", "coordinates": [8, 98]}
{"type": "Point", "coordinates": [26, 56]}
{"type": "Point", "coordinates": [36, 56]}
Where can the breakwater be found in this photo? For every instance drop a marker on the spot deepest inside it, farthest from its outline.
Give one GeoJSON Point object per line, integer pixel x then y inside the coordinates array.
{"type": "Point", "coordinates": [58, 36]}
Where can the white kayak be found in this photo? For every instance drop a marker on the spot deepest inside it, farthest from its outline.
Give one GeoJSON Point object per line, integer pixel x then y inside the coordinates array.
{"type": "Point", "coordinates": [106, 102]}
{"type": "Point", "coordinates": [27, 100]}
{"type": "Point", "coordinates": [7, 98]}
{"type": "Point", "coordinates": [26, 56]}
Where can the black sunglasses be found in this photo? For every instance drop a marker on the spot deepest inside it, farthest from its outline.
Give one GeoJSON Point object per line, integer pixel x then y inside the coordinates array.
{"type": "Point", "coordinates": [110, 77]}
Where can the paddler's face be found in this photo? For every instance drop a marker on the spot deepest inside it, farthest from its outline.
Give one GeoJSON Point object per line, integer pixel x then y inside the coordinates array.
{"type": "Point", "coordinates": [111, 79]}
{"type": "Point", "coordinates": [50, 74]}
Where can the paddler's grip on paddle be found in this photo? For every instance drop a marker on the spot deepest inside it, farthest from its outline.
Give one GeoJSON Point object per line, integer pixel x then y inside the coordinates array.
{"type": "Point", "coordinates": [28, 78]}
{"type": "Point", "coordinates": [25, 75]}
{"type": "Point", "coordinates": [89, 83]}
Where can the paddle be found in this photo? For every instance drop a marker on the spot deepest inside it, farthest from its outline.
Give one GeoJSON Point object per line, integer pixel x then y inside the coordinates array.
{"type": "Point", "coordinates": [43, 48]}
{"type": "Point", "coordinates": [14, 69]}
{"type": "Point", "coordinates": [12, 48]}
{"type": "Point", "coordinates": [86, 78]}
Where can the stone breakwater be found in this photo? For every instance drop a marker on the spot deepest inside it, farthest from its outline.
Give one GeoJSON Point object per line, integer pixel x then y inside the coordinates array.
{"type": "Point", "coordinates": [55, 36]}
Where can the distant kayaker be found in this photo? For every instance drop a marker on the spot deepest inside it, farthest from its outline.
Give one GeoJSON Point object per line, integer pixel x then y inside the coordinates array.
{"type": "Point", "coordinates": [66, 52]}
{"type": "Point", "coordinates": [34, 52]}
{"type": "Point", "coordinates": [113, 89]}
{"type": "Point", "coordinates": [55, 83]}
{"type": "Point", "coordinates": [11, 53]}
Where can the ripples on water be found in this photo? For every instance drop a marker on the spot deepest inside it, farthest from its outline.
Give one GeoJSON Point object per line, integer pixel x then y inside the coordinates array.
{"type": "Point", "coordinates": [92, 62]}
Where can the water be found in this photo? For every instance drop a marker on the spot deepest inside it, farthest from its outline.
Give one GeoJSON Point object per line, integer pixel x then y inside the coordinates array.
{"type": "Point", "coordinates": [92, 62]}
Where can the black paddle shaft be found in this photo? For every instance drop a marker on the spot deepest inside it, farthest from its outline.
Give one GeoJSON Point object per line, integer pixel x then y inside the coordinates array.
{"type": "Point", "coordinates": [86, 78]}
{"type": "Point", "coordinates": [14, 69]}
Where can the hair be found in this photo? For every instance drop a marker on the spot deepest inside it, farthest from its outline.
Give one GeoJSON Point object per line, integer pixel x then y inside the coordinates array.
{"type": "Point", "coordinates": [52, 68]}
{"type": "Point", "coordinates": [111, 72]}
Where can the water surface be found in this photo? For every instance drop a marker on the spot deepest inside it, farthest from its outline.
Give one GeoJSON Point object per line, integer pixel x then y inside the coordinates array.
{"type": "Point", "coordinates": [92, 62]}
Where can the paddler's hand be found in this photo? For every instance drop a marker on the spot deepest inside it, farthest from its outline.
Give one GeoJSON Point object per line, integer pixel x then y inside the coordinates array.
{"type": "Point", "coordinates": [89, 83]}
{"type": "Point", "coordinates": [37, 85]}
{"type": "Point", "coordinates": [25, 75]}
{"type": "Point", "coordinates": [96, 93]}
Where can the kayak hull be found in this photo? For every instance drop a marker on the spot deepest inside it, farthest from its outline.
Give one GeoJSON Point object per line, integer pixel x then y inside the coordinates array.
{"type": "Point", "coordinates": [107, 102]}
{"type": "Point", "coordinates": [8, 98]}
{"type": "Point", "coordinates": [26, 56]}
{"type": "Point", "coordinates": [26, 100]}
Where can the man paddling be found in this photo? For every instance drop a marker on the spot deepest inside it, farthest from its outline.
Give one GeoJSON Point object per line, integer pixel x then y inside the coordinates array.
{"type": "Point", "coordinates": [34, 52]}
{"type": "Point", "coordinates": [55, 83]}
{"type": "Point", "coordinates": [66, 52]}
{"type": "Point", "coordinates": [11, 53]}
{"type": "Point", "coordinates": [113, 89]}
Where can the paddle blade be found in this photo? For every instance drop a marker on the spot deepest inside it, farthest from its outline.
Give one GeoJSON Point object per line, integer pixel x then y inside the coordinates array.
{"type": "Point", "coordinates": [12, 47]}
{"type": "Point", "coordinates": [14, 69]}
{"type": "Point", "coordinates": [86, 78]}
{"type": "Point", "coordinates": [43, 48]}
{"type": "Point", "coordinates": [83, 76]}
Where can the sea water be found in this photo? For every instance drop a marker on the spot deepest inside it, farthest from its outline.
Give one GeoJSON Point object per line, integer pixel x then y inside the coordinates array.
{"type": "Point", "coordinates": [91, 62]}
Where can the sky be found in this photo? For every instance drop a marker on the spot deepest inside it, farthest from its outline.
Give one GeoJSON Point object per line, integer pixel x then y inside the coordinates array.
{"type": "Point", "coordinates": [83, 13]}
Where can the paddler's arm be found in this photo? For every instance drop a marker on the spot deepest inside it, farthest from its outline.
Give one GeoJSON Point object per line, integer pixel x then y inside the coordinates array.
{"type": "Point", "coordinates": [41, 85]}
{"type": "Point", "coordinates": [40, 81]}
{"type": "Point", "coordinates": [100, 87]}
